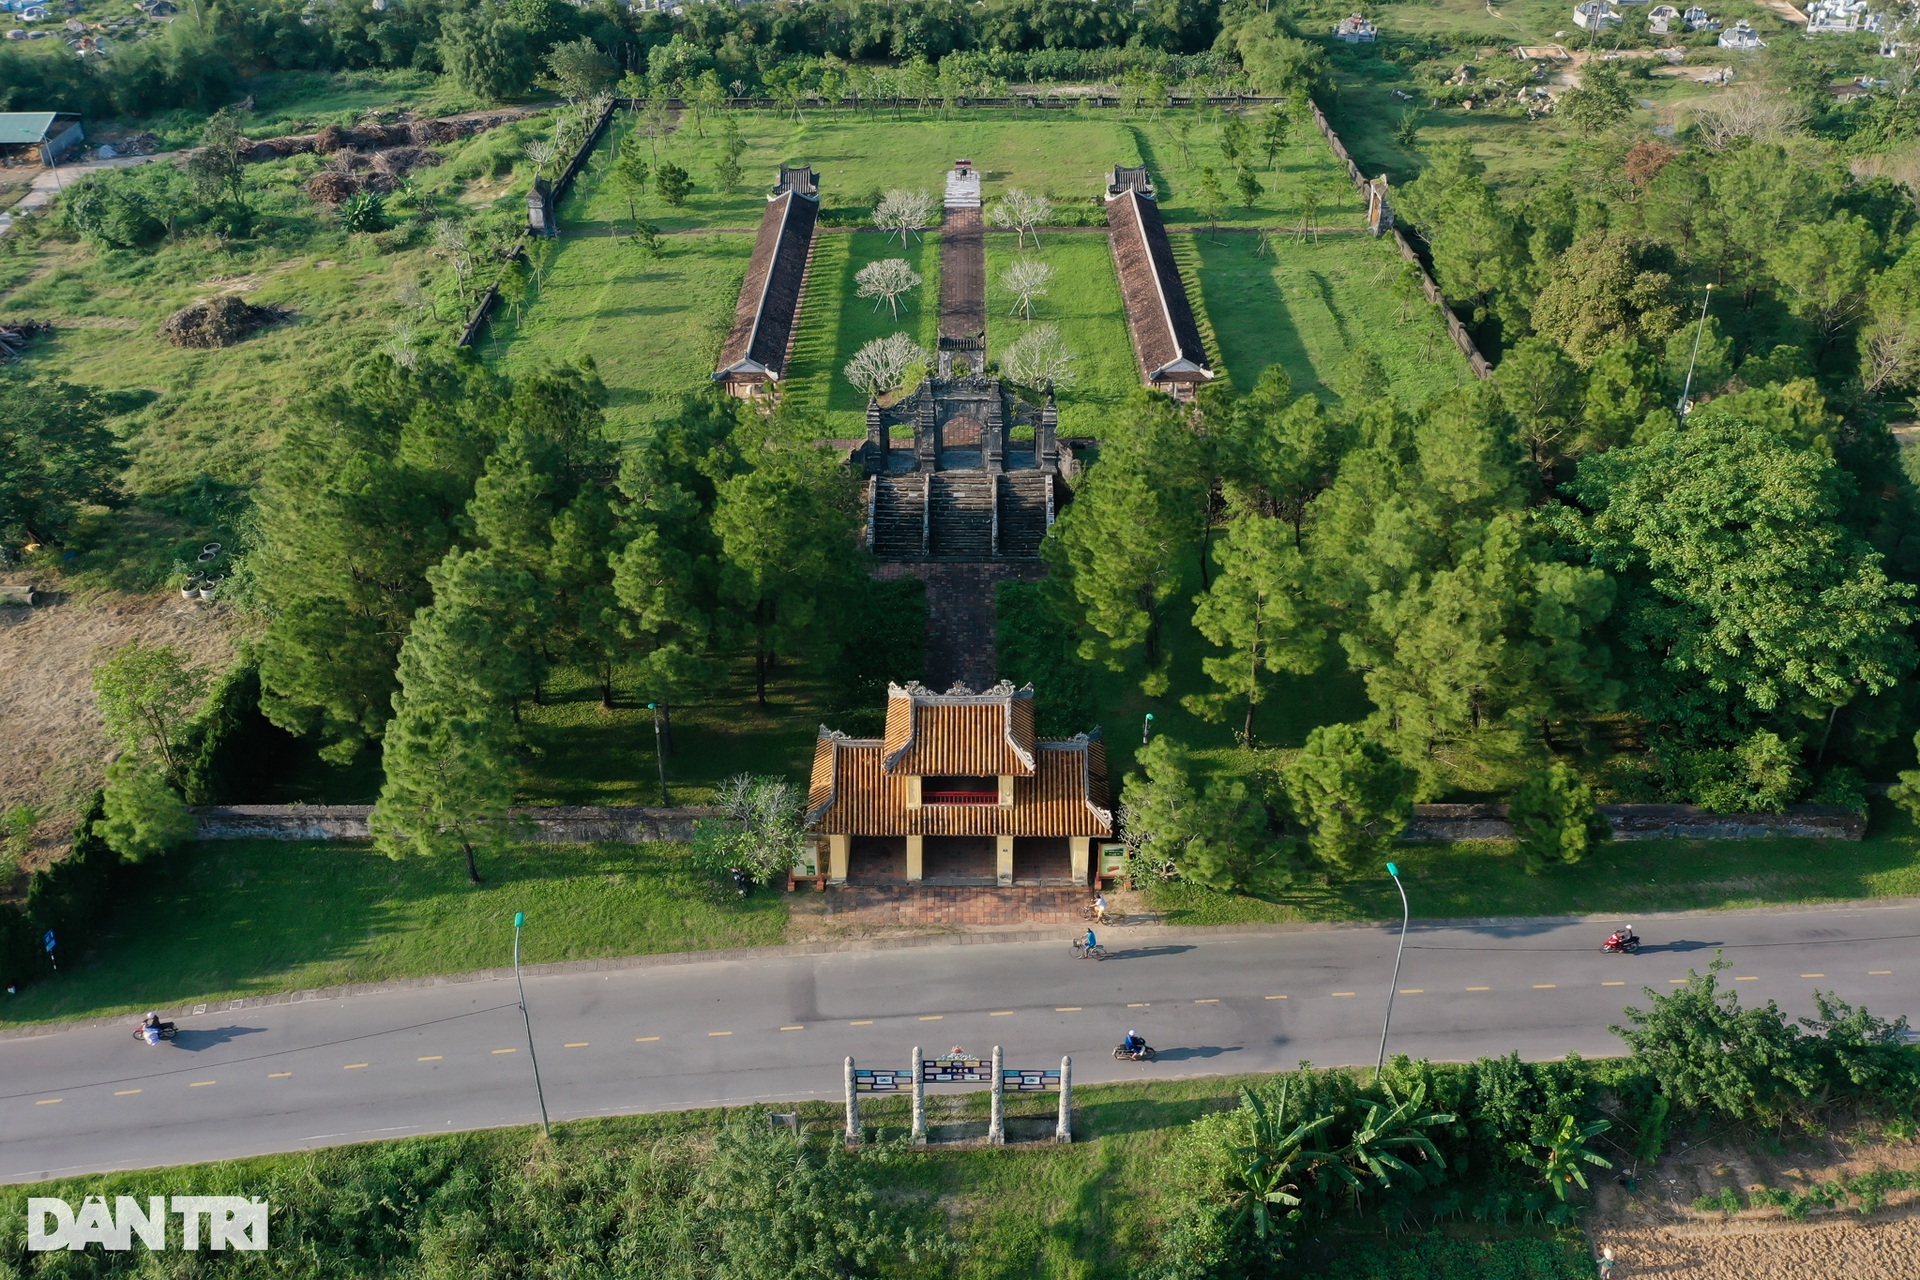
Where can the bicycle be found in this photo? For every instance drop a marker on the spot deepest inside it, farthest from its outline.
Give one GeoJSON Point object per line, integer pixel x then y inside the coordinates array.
{"type": "Point", "coordinates": [1082, 950]}
{"type": "Point", "coordinates": [1111, 918]}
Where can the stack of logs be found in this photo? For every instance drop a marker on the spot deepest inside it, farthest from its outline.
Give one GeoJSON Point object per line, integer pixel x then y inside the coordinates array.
{"type": "Point", "coordinates": [15, 333]}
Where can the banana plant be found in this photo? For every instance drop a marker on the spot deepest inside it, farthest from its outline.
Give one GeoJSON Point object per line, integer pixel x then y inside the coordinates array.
{"type": "Point", "coordinates": [1562, 1159]}
{"type": "Point", "coordinates": [1268, 1171]}
{"type": "Point", "coordinates": [1384, 1145]}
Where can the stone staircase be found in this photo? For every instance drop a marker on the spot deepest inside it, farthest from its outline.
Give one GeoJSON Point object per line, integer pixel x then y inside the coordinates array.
{"type": "Point", "coordinates": [962, 519]}
{"type": "Point", "coordinates": [1026, 511]}
{"type": "Point", "coordinates": [959, 515]}
{"type": "Point", "coordinates": [897, 521]}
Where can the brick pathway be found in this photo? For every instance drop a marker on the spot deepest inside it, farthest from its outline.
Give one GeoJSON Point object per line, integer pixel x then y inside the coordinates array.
{"type": "Point", "coordinates": [963, 275]}
{"type": "Point", "coordinates": [960, 616]}
{"type": "Point", "coordinates": [906, 905]}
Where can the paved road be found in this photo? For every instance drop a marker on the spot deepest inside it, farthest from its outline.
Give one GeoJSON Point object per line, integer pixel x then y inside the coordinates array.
{"type": "Point", "coordinates": [434, 1059]}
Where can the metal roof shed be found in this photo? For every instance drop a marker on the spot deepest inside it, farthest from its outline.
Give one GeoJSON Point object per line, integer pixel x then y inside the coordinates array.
{"type": "Point", "coordinates": [50, 134]}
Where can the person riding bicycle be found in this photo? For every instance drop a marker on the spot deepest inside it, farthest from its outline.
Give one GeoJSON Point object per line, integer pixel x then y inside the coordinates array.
{"type": "Point", "coordinates": [1135, 1043]}
{"type": "Point", "coordinates": [1091, 942]}
{"type": "Point", "coordinates": [1100, 907]}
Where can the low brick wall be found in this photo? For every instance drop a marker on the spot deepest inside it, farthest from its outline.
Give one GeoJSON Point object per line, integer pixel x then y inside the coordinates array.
{"type": "Point", "coordinates": [627, 824]}
{"type": "Point", "coordinates": [1647, 822]}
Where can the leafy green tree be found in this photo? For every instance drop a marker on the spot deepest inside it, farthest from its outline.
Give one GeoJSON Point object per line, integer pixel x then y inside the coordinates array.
{"type": "Point", "coordinates": [1257, 609]}
{"type": "Point", "coordinates": [1605, 290]}
{"type": "Point", "coordinates": [629, 176]}
{"type": "Point", "coordinates": [1391, 1147]}
{"type": "Point", "coordinates": [1479, 253]}
{"type": "Point", "coordinates": [1890, 338]}
{"type": "Point", "coordinates": [56, 456]}
{"type": "Point", "coordinates": [1268, 1172]}
{"type": "Point", "coordinates": [1120, 553]}
{"type": "Point", "coordinates": [147, 696]}
{"type": "Point", "coordinates": [1825, 268]}
{"type": "Point", "coordinates": [1704, 349]}
{"type": "Point", "coordinates": [1742, 589]}
{"type": "Point", "coordinates": [579, 69]}
{"type": "Point", "coordinates": [1760, 774]}
{"type": "Point", "coordinates": [673, 183]}
{"type": "Point", "coordinates": [367, 492]}
{"type": "Point", "coordinates": [1353, 798]}
{"type": "Point", "coordinates": [1247, 183]}
{"type": "Point", "coordinates": [1540, 388]}
{"type": "Point", "coordinates": [1554, 818]}
{"type": "Point", "coordinates": [1278, 454]}
{"type": "Point", "coordinates": [1759, 195]}
{"type": "Point", "coordinates": [218, 167]}
{"type": "Point", "coordinates": [786, 530]}
{"type": "Point", "coordinates": [1276, 127]}
{"type": "Point", "coordinates": [1598, 103]}
{"type": "Point", "coordinates": [1211, 831]}
{"type": "Point", "coordinates": [110, 208]}
{"type": "Point", "coordinates": [1210, 198]}
{"type": "Point", "coordinates": [760, 834]}
{"type": "Point", "coordinates": [1625, 400]}
{"type": "Point", "coordinates": [487, 53]}
{"type": "Point", "coordinates": [449, 749]}
{"type": "Point", "coordinates": [1711, 1055]}
{"type": "Point", "coordinates": [144, 815]}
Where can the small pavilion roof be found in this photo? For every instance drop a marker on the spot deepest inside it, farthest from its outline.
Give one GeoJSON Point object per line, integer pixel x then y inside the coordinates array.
{"type": "Point", "coordinates": [852, 793]}
{"type": "Point", "coordinates": [959, 733]}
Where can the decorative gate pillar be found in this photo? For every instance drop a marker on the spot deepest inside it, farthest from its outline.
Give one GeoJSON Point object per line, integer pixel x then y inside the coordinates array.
{"type": "Point", "coordinates": [1063, 1131]}
{"type": "Point", "coordinates": [997, 1117]}
{"type": "Point", "coordinates": [919, 1100]}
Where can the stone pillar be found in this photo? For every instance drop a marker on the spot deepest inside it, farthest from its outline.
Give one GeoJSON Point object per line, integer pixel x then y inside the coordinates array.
{"type": "Point", "coordinates": [1081, 852]}
{"type": "Point", "coordinates": [997, 1117]}
{"type": "Point", "coordinates": [919, 1100]}
{"type": "Point", "coordinates": [540, 220]}
{"type": "Point", "coordinates": [1063, 1131]}
{"type": "Point", "coordinates": [853, 1109]}
{"type": "Point", "coordinates": [1006, 860]}
{"type": "Point", "coordinates": [874, 456]}
{"type": "Point", "coordinates": [1006, 791]}
{"type": "Point", "coordinates": [916, 858]}
{"type": "Point", "coordinates": [839, 854]}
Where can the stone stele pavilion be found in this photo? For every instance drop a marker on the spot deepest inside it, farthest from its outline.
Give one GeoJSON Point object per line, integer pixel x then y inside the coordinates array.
{"type": "Point", "coordinates": [959, 792]}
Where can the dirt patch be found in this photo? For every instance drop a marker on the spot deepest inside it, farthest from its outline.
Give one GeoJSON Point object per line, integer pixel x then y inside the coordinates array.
{"type": "Point", "coordinates": [1655, 1230]}
{"type": "Point", "coordinates": [56, 749]}
{"type": "Point", "coordinates": [218, 322]}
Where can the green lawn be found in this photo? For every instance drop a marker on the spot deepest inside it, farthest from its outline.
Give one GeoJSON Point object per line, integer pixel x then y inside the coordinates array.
{"type": "Point", "coordinates": [1091, 1210]}
{"type": "Point", "coordinates": [1084, 300]}
{"type": "Point", "coordinates": [1626, 877]}
{"type": "Point", "coordinates": [834, 324]}
{"type": "Point", "coordinates": [653, 328]}
{"type": "Point", "coordinates": [1306, 304]}
{"type": "Point", "coordinates": [251, 917]}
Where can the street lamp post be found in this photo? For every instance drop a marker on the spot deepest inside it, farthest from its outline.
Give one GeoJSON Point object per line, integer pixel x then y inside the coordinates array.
{"type": "Point", "coordinates": [1401, 950]}
{"type": "Point", "coordinates": [519, 919]}
{"type": "Point", "coordinates": [1686, 389]}
{"type": "Point", "coordinates": [1146, 727]}
{"type": "Point", "coordinates": [659, 755]}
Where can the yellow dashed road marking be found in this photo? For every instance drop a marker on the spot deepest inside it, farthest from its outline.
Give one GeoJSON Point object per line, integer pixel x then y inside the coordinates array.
{"type": "Point", "coordinates": [1546, 986]}
{"type": "Point", "coordinates": [645, 1039]}
{"type": "Point", "coordinates": [793, 1028]}
{"type": "Point", "coordinates": [1001, 1013]}
{"type": "Point", "coordinates": [1479, 988]}
{"type": "Point", "coordinates": [432, 1057]}
{"type": "Point", "coordinates": [1676, 982]}
{"type": "Point", "coordinates": [1748, 978]}
{"type": "Point", "coordinates": [201, 1084]}
{"type": "Point", "coordinates": [1276, 997]}
{"type": "Point", "coordinates": [576, 1044]}
{"type": "Point", "coordinates": [932, 1017]}
{"type": "Point", "coordinates": [1879, 973]}
{"type": "Point", "coordinates": [1613, 984]}
{"type": "Point", "coordinates": [719, 1033]}
{"type": "Point", "coordinates": [1413, 991]}
{"type": "Point", "coordinates": [1143, 1004]}
{"type": "Point", "coordinates": [1343, 993]}
{"type": "Point", "coordinates": [353, 1066]}
{"type": "Point", "coordinates": [504, 1051]}
{"type": "Point", "coordinates": [1213, 1000]}
{"type": "Point", "coordinates": [864, 1022]}
{"type": "Point", "coordinates": [1067, 1008]}
{"type": "Point", "coordinates": [1813, 975]}
{"type": "Point", "coordinates": [274, 1075]}
{"type": "Point", "coordinates": [122, 1093]}
{"type": "Point", "coordinates": [47, 1102]}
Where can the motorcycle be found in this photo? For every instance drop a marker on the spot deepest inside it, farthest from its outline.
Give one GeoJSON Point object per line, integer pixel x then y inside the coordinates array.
{"type": "Point", "coordinates": [1145, 1053]}
{"type": "Point", "coordinates": [1620, 944]}
{"type": "Point", "coordinates": [166, 1031]}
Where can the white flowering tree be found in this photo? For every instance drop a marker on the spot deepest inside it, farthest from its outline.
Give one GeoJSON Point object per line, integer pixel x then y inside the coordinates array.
{"type": "Point", "coordinates": [1040, 358]}
{"type": "Point", "coordinates": [885, 281]}
{"type": "Point", "coordinates": [1021, 212]}
{"type": "Point", "coordinates": [904, 213]}
{"type": "Point", "coordinates": [1026, 280]}
{"type": "Point", "coordinates": [885, 365]}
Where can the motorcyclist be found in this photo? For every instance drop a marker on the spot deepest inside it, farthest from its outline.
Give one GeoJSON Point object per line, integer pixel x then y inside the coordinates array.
{"type": "Point", "coordinates": [1135, 1044]}
{"type": "Point", "coordinates": [1622, 938]}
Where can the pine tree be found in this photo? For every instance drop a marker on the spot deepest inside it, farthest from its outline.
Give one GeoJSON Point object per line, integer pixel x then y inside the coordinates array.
{"type": "Point", "coordinates": [1352, 796]}
{"type": "Point", "coordinates": [1258, 611]}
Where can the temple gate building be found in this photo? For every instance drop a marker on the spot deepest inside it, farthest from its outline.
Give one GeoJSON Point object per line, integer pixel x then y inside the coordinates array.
{"type": "Point", "coordinates": [959, 792]}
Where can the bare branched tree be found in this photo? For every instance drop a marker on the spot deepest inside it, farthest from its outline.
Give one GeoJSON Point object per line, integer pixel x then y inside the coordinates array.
{"type": "Point", "coordinates": [1040, 358]}
{"type": "Point", "coordinates": [1890, 355]}
{"type": "Point", "coordinates": [901, 212]}
{"type": "Point", "coordinates": [455, 241]}
{"type": "Point", "coordinates": [1749, 114]}
{"type": "Point", "coordinates": [885, 281]}
{"type": "Point", "coordinates": [1021, 213]}
{"type": "Point", "coordinates": [886, 364]}
{"type": "Point", "coordinates": [541, 152]}
{"type": "Point", "coordinates": [1026, 280]}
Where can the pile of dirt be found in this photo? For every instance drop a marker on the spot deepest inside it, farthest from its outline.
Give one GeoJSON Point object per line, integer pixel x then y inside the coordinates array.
{"type": "Point", "coordinates": [344, 177]}
{"type": "Point", "coordinates": [218, 322]}
{"type": "Point", "coordinates": [14, 335]}
{"type": "Point", "coordinates": [373, 135]}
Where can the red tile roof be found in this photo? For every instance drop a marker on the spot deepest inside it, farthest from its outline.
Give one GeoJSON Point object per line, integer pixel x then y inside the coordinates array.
{"type": "Point", "coordinates": [959, 734]}
{"type": "Point", "coordinates": [769, 303]}
{"type": "Point", "coordinates": [1165, 335]}
{"type": "Point", "coordinates": [852, 794]}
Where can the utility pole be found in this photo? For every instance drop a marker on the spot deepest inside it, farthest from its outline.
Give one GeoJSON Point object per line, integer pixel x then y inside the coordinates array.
{"type": "Point", "coordinates": [519, 919]}
{"type": "Point", "coordinates": [1687, 388]}
{"type": "Point", "coordinates": [659, 754]}
{"type": "Point", "coordinates": [1404, 916]}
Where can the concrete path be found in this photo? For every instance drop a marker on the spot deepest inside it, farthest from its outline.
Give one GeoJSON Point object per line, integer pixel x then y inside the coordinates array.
{"type": "Point", "coordinates": [52, 181]}
{"type": "Point", "coordinates": [766, 1027]}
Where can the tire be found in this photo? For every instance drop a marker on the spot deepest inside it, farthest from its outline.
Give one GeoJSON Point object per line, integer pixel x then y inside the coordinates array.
{"type": "Point", "coordinates": [1148, 1055]}
{"type": "Point", "coordinates": [1097, 952]}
